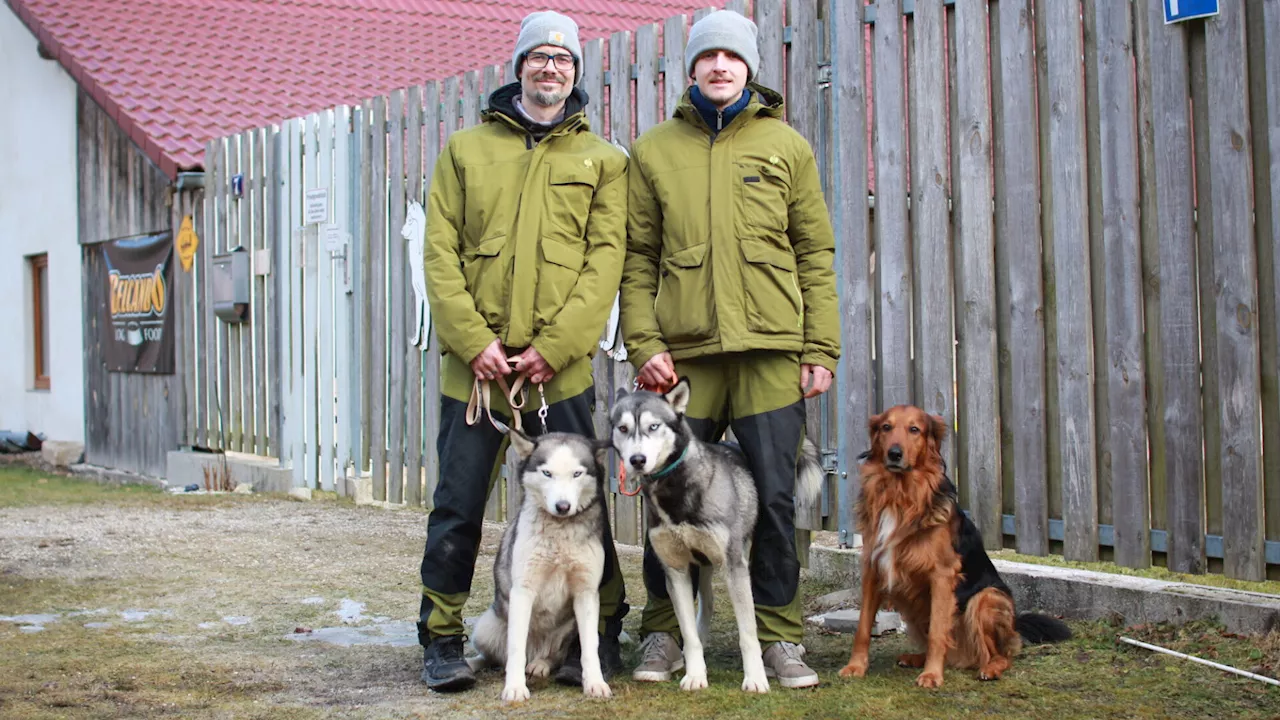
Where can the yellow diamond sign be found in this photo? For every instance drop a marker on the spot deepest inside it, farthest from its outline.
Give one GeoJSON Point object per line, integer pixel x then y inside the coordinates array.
{"type": "Point", "coordinates": [188, 241]}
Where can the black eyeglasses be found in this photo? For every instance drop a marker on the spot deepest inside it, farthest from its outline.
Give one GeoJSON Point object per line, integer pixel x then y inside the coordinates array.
{"type": "Point", "coordinates": [540, 60]}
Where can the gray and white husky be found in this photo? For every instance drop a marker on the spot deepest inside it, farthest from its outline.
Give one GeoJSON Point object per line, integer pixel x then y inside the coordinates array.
{"type": "Point", "coordinates": [702, 508]}
{"type": "Point", "coordinates": [548, 569]}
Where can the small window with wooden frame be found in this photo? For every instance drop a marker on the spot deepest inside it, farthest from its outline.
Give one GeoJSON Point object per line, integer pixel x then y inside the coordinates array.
{"type": "Point", "coordinates": [39, 266]}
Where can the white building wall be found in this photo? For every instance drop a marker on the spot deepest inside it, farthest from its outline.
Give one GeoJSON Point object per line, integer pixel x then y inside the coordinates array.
{"type": "Point", "coordinates": [38, 215]}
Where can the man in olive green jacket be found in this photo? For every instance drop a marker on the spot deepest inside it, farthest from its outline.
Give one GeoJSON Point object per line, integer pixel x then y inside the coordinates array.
{"type": "Point", "coordinates": [729, 281]}
{"type": "Point", "coordinates": [524, 248]}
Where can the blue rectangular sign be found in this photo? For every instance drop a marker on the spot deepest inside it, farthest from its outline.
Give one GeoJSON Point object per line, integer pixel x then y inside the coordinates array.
{"type": "Point", "coordinates": [1179, 10]}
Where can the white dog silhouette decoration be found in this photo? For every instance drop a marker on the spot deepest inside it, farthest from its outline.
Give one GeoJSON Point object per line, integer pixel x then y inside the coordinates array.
{"type": "Point", "coordinates": [415, 226]}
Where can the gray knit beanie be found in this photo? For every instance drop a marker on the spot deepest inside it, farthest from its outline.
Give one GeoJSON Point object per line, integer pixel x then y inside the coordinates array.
{"type": "Point", "coordinates": [724, 30]}
{"type": "Point", "coordinates": [548, 28]}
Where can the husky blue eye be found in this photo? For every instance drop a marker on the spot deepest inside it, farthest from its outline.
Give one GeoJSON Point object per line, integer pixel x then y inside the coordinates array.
{"type": "Point", "coordinates": [653, 427]}
{"type": "Point", "coordinates": [547, 473]}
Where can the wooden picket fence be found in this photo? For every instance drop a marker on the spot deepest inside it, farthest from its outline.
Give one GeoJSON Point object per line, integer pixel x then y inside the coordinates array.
{"type": "Point", "coordinates": [1056, 228]}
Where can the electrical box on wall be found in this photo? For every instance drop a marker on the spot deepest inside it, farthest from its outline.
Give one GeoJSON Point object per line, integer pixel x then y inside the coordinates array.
{"type": "Point", "coordinates": [230, 284]}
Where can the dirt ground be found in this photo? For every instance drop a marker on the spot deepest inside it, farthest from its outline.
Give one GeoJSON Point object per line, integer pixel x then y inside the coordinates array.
{"type": "Point", "coordinates": [130, 602]}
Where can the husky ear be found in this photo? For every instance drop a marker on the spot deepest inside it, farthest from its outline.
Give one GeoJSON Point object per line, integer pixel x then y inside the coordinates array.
{"type": "Point", "coordinates": [678, 396]}
{"type": "Point", "coordinates": [601, 448]}
{"type": "Point", "coordinates": [522, 443]}
{"type": "Point", "coordinates": [617, 397]}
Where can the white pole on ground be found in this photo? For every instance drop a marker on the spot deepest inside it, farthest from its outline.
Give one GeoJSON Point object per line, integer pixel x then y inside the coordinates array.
{"type": "Point", "coordinates": [1202, 661]}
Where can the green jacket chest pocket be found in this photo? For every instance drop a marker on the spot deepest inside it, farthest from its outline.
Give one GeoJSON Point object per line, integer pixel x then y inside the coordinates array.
{"type": "Point", "coordinates": [762, 192]}
{"type": "Point", "coordinates": [774, 303]}
{"type": "Point", "coordinates": [488, 276]}
{"type": "Point", "coordinates": [684, 304]}
{"type": "Point", "coordinates": [557, 276]}
{"type": "Point", "coordinates": [571, 186]}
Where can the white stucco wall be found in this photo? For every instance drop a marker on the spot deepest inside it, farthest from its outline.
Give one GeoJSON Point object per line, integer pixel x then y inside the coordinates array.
{"type": "Point", "coordinates": [38, 215]}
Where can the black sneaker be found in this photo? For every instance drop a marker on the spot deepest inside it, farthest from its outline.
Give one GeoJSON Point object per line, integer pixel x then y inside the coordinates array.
{"type": "Point", "coordinates": [570, 672]}
{"type": "Point", "coordinates": [443, 667]}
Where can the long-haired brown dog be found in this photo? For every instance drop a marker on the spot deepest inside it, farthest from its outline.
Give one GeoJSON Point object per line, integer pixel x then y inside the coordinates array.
{"type": "Point", "coordinates": [922, 554]}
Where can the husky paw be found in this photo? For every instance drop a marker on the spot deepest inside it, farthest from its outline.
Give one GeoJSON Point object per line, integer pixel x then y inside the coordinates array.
{"type": "Point", "coordinates": [855, 668]}
{"type": "Point", "coordinates": [597, 689]}
{"type": "Point", "coordinates": [755, 683]}
{"type": "Point", "coordinates": [694, 681]}
{"type": "Point", "coordinates": [929, 680]}
{"type": "Point", "coordinates": [515, 693]}
{"type": "Point", "coordinates": [539, 668]}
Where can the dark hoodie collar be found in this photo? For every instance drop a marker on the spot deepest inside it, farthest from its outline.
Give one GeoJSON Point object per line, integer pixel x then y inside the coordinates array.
{"type": "Point", "coordinates": [502, 103]}
{"type": "Point", "coordinates": [715, 118]}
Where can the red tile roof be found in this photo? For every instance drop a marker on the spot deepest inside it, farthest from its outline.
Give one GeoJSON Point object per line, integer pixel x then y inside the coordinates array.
{"type": "Point", "coordinates": [177, 73]}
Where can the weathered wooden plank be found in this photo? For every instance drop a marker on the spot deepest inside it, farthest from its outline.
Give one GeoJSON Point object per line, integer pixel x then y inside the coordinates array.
{"type": "Point", "coordinates": [1122, 282]}
{"type": "Point", "coordinates": [196, 400]}
{"type": "Point", "coordinates": [295, 416]}
{"type": "Point", "coordinates": [431, 360]}
{"type": "Point", "coordinates": [413, 353]}
{"type": "Point", "coordinates": [854, 373]}
{"type": "Point", "coordinates": [260, 329]}
{"type": "Point", "coordinates": [702, 12]}
{"type": "Point", "coordinates": [234, 347]}
{"type": "Point", "coordinates": [205, 385]}
{"type": "Point", "coordinates": [1203, 196]}
{"type": "Point", "coordinates": [1173, 327]}
{"type": "Point", "coordinates": [674, 77]}
{"type": "Point", "coordinates": [275, 232]}
{"type": "Point", "coordinates": [1264, 90]}
{"type": "Point", "coordinates": [313, 237]}
{"type": "Point", "coordinates": [930, 216]}
{"type": "Point", "coordinates": [181, 309]}
{"type": "Point", "coordinates": [893, 273]}
{"type": "Point", "coordinates": [1018, 252]}
{"type": "Point", "coordinates": [1235, 270]}
{"type": "Point", "coordinates": [377, 288]}
{"type": "Point", "coordinates": [365, 299]}
{"type": "Point", "coordinates": [325, 405]}
{"type": "Point", "coordinates": [470, 98]}
{"type": "Point", "coordinates": [621, 99]}
{"type": "Point", "coordinates": [247, 377]}
{"type": "Point", "coordinates": [1097, 265]}
{"type": "Point", "coordinates": [647, 91]}
{"type": "Point", "coordinates": [979, 459]}
{"type": "Point", "coordinates": [397, 269]}
{"type": "Point", "coordinates": [770, 23]}
{"type": "Point", "coordinates": [226, 439]}
{"type": "Point", "coordinates": [344, 355]}
{"type": "Point", "coordinates": [738, 6]}
{"type": "Point", "coordinates": [593, 83]}
{"type": "Point", "coordinates": [802, 112]}
{"type": "Point", "coordinates": [1069, 219]}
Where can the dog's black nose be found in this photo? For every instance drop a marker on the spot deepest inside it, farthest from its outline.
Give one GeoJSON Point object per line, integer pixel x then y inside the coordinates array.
{"type": "Point", "coordinates": [562, 507]}
{"type": "Point", "coordinates": [895, 454]}
{"type": "Point", "coordinates": [637, 461]}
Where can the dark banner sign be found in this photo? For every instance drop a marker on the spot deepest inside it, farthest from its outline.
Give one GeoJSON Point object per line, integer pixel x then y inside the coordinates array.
{"type": "Point", "coordinates": [137, 318]}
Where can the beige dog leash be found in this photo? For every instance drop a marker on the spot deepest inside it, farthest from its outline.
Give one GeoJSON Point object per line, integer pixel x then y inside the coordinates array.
{"type": "Point", "coordinates": [516, 395]}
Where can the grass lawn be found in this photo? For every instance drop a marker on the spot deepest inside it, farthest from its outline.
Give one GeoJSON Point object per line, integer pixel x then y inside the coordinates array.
{"type": "Point", "coordinates": [169, 606]}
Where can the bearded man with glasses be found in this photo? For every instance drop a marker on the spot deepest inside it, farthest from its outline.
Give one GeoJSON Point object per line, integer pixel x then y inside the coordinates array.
{"type": "Point", "coordinates": [525, 239]}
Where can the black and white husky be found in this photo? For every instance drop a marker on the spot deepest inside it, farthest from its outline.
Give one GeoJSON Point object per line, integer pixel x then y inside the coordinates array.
{"type": "Point", "coordinates": [548, 569]}
{"type": "Point", "coordinates": [702, 508]}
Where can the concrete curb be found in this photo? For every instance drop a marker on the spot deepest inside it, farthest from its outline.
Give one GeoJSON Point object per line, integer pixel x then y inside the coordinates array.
{"type": "Point", "coordinates": [1088, 595]}
{"type": "Point", "coordinates": [264, 474]}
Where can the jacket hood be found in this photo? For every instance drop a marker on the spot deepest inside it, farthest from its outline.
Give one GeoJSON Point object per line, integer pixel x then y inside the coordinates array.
{"type": "Point", "coordinates": [502, 107]}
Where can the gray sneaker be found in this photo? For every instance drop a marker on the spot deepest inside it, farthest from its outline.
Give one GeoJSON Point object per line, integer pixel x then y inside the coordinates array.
{"type": "Point", "coordinates": [660, 655]}
{"type": "Point", "coordinates": [785, 661]}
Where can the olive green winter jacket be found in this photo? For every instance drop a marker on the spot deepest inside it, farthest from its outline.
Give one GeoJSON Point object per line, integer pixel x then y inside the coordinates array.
{"type": "Point", "coordinates": [525, 241]}
{"type": "Point", "coordinates": [729, 246]}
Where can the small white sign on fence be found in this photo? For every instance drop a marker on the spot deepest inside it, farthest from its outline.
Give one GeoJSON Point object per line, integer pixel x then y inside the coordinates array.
{"type": "Point", "coordinates": [316, 207]}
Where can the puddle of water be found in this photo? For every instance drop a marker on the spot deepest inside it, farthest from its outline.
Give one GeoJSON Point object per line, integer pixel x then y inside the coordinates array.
{"type": "Point", "coordinates": [350, 611]}
{"type": "Point", "coordinates": [313, 601]}
{"type": "Point", "coordinates": [29, 619]}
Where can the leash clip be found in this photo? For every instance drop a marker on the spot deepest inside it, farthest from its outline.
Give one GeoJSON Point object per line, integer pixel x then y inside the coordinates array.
{"type": "Point", "coordinates": [542, 411]}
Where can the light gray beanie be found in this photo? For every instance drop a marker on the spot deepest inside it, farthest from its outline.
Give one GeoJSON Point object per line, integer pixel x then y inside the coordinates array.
{"type": "Point", "coordinates": [724, 30]}
{"type": "Point", "coordinates": [548, 28]}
